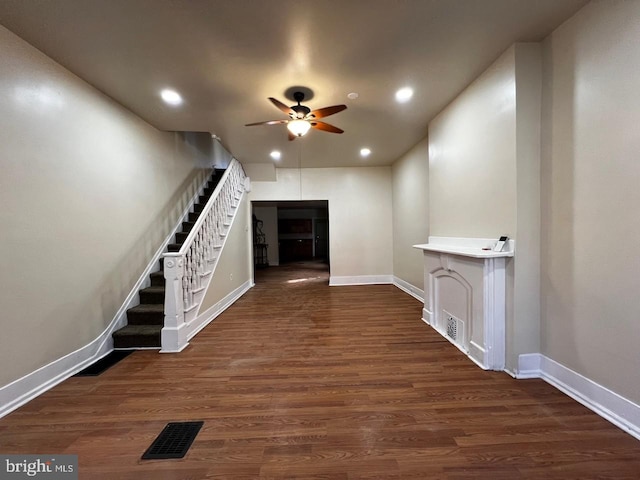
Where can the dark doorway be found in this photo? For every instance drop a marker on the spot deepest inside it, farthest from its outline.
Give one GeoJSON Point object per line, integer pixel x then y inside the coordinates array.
{"type": "Point", "coordinates": [294, 231]}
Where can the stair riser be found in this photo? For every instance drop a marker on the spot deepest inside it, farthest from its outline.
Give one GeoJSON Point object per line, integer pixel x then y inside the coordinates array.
{"type": "Point", "coordinates": [203, 199]}
{"type": "Point", "coordinates": [198, 207]}
{"type": "Point", "coordinates": [187, 226]}
{"type": "Point", "coordinates": [152, 297]}
{"type": "Point", "coordinates": [145, 318]}
{"type": "Point", "coordinates": [157, 280]}
{"type": "Point", "coordinates": [181, 237]}
{"type": "Point", "coordinates": [137, 341]}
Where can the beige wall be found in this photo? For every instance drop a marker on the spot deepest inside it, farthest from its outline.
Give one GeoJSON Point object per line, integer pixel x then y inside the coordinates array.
{"type": "Point", "coordinates": [523, 331]}
{"type": "Point", "coordinates": [590, 195]}
{"type": "Point", "coordinates": [360, 225]}
{"type": "Point", "coordinates": [472, 147]}
{"type": "Point", "coordinates": [88, 192]}
{"type": "Point", "coordinates": [234, 266]}
{"type": "Point", "coordinates": [484, 179]}
{"type": "Point", "coordinates": [410, 176]}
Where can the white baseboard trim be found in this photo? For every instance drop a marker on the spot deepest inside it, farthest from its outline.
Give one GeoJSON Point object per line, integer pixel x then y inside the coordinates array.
{"type": "Point", "coordinates": [335, 281]}
{"type": "Point", "coordinates": [406, 287]}
{"type": "Point", "coordinates": [528, 366]}
{"type": "Point", "coordinates": [25, 389]}
{"type": "Point", "coordinates": [193, 328]}
{"type": "Point", "coordinates": [618, 410]}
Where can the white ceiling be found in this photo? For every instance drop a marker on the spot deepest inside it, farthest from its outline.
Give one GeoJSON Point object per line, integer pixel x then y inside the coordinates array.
{"type": "Point", "coordinates": [227, 56]}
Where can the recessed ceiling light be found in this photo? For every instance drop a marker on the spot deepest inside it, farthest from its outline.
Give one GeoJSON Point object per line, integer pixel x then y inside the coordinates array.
{"type": "Point", "coordinates": [171, 97]}
{"type": "Point", "coordinates": [275, 155]}
{"type": "Point", "coordinates": [404, 94]}
{"type": "Point", "coordinates": [353, 95]}
{"type": "Point", "coordinates": [365, 152]}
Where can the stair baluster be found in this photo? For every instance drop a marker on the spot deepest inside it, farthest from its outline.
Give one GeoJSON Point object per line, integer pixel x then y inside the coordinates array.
{"type": "Point", "coordinates": [199, 253]}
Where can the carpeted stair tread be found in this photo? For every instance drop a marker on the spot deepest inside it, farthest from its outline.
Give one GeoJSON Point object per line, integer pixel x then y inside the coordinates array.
{"type": "Point", "coordinates": [146, 314]}
{"type": "Point", "coordinates": [174, 247]}
{"type": "Point", "coordinates": [187, 226]}
{"type": "Point", "coordinates": [139, 330]}
{"type": "Point", "coordinates": [157, 279]}
{"type": "Point", "coordinates": [136, 336]}
{"type": "Point", "coordinates": [152, 295]}
{"type": "Point", "coordinates": [181, 237]}
{"type": "Point", "coordinates": [147, 308]}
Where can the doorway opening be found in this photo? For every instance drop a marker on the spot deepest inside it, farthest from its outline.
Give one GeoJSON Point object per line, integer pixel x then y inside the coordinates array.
{"type": "Point", "coordinates": [286, 233]}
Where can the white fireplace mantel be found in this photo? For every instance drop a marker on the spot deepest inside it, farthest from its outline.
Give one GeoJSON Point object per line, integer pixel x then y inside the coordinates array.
{"type": "Point", "coordinates": [465, 295]}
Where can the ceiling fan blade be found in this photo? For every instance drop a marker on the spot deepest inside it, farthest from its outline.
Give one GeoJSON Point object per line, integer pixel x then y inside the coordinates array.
{"type": "Point", "coordinates": [326, 111]}
{"type": "Point", "coordinates": [282, 106]}
{"type": "Point", "coordinates": [270, 122]}
{"type": "Point", "coordinates": [291, 136]}
{"type": "Point", "coordinates": [325, 127]}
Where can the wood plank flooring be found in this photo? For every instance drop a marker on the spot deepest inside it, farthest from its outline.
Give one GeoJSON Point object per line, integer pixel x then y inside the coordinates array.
{"type": "Point", "coordinates": [299, 380]}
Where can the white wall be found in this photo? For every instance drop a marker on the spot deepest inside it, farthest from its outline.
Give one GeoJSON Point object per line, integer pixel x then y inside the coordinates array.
{"type": "Point", "coordinates": [410, 176]}
{"type": "Point", "coordinates": [234, 267]}
{"type": "Point", "coordinates": [360, 217]}
{"type": "Point", "coordinates": [523, 321]}
{"type": "Point", "coordinates": [472, 148]}
{"type": "Point", "coordinates": [88, 191]}
{"type": "Point", "coordinates": [484, 175]}
{"type": "Point", "coordinates": [590, 195]}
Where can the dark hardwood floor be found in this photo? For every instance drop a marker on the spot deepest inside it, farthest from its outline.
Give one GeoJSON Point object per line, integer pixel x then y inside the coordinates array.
{"type": "Point", "coordinates": [300, 380]}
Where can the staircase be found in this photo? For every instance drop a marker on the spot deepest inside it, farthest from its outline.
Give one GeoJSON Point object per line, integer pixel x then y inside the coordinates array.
{"type": "Point", "coordinates": [145, 321]}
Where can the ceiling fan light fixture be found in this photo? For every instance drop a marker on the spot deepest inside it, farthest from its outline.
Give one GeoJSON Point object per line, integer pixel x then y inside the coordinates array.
{"type": "Point", "coordinates": [298, 127]}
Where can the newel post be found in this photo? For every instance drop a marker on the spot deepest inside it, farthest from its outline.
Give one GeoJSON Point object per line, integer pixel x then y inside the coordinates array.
{"type": "Point", "coordinates": [174, 332]}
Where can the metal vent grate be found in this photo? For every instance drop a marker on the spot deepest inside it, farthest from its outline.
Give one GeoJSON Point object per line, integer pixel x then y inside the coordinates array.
{"type": "Point", "coordinates": [452, 328]}
{"type": "Point", "coordinates": [174, 440]}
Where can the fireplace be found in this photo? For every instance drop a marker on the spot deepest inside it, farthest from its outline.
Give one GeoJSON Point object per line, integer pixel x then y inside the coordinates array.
{"type": "Point", "coordinates": [465, 295]}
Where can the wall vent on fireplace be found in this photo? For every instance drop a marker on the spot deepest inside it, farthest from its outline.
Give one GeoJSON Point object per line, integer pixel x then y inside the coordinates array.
{"type": "Point", "coordinates": [455, 328]}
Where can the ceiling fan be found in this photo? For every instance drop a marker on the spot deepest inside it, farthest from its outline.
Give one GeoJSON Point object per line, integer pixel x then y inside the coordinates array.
{"type": "Point", "coordinates": [302, 118]}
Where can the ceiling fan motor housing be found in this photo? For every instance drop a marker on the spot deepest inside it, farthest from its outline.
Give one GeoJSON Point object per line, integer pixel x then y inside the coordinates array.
{"type": "Point", "coordinates": [301, 110]}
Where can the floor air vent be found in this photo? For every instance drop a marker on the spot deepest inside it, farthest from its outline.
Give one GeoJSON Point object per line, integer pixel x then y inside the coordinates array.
{"type": "Point", "coordinates": [455, 328]}
{"type": "Point", "coordinates": [174, 441]}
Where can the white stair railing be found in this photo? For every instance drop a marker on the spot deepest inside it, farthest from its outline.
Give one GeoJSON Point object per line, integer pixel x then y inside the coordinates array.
{"type": "Point", "coordinates": [189, 271]}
